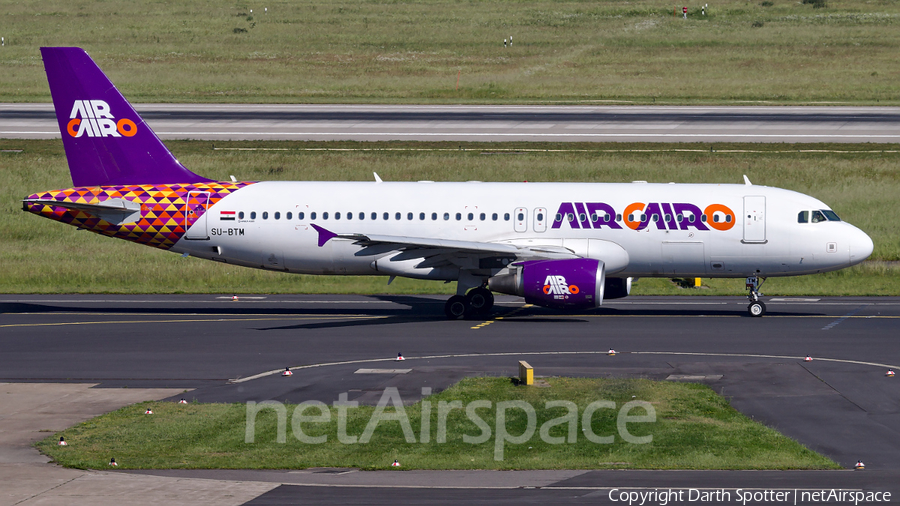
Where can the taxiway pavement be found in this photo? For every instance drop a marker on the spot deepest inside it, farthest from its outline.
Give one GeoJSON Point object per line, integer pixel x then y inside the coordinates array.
{"type": "Point", "coordinates": [840, 403]}
{"type": "Point", "coordinates": [706, 124]}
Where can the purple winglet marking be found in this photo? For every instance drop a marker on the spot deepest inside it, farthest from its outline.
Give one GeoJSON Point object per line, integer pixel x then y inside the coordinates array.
{"type": "Point", "coordinates": [324, 235]}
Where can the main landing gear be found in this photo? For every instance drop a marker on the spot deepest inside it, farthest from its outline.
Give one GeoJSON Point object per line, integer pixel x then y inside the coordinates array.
{"type": "Point", "coordinates": [478, 302]}
{"type": "Point", "coordinates": [756, 307]}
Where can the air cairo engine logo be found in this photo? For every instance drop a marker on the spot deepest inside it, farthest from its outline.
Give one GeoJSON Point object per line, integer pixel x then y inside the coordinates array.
{"type": "Point", "coordinates": [557, 286]}
{"type": "Point", "coordinates": [94, 119]}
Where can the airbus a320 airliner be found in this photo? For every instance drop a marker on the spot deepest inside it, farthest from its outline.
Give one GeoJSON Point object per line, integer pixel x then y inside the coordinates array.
{"type": "Point", "coordinates": [560, 245]}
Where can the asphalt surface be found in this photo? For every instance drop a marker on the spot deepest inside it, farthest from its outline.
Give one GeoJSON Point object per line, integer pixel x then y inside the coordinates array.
{"type": "Point", "coordinates": [491, 123]}
{"type": "Point", "coordinates": [840, 403]}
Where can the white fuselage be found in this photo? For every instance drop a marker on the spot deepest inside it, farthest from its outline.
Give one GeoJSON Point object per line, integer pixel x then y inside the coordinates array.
{"type": "Point", "coordinates": [741, 230]}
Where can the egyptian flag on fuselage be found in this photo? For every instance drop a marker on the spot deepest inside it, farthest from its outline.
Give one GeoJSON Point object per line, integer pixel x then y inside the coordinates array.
{"type": "Point", "coordinates": [226, 215]}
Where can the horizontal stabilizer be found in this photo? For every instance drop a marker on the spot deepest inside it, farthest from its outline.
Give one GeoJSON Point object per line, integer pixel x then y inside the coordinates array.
{"type": "Point", "coordinates": [115, 211]}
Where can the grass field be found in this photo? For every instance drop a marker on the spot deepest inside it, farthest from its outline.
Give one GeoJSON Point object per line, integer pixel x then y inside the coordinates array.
{"type": "Point", "coordinates": [776, 51]}
{"type": "Point", "coordinates": [693, 429]}
{"type": "Point", "coordinates": [40, 255]}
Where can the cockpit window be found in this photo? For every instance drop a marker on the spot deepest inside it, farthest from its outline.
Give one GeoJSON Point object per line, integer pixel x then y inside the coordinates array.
{"type": "Point", "coordinates": [817, 216]}
{"type": "Point", "coordinates": [831, 215]}
{"type": "Point", "coordinates": [803, 217]}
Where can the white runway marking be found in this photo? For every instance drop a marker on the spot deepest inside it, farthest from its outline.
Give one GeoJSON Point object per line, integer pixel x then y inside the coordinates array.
{"type": "Point", "coordinates": [550, 353]}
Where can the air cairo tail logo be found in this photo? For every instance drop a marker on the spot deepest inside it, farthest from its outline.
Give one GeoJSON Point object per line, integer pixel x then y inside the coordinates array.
{"type": "Point", "coordinates": [94, 119]}
{"type": "Point", "coordinates": [556, 285]}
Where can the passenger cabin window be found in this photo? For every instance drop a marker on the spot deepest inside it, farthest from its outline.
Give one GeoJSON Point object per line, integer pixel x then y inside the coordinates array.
{"type": "Point", "coordinates": [288, 215]}
{"type": "Point", "coordinates": [803, 217]}
{"type": "Point", "coordinates": [421, 216]}
{"type": "Point", "coordinates": [337, 216]}
{"type": "Point", "coordinates": [397, 216]}
{"type": "Point", "coordinates": [241, 215]}
{"type": "Point", "coordinates": [362, 215]}
{"type": "Point", "coordinates": [540, 217]}
{"type": "Point", "coordinates": [433, 216]}
{"type": "Point", "coordinates": [458, 216]}
{"type": "Point", "coordinates": [374, 216]}
{"type": "Point", "coordinates": [350, 216]}
{"type": "Point", "coordinates": [252, 215]}
{"type": "Point", "coordinates": [300, 216]}
{"type": "Point", "coordinates": [386, 216]}
{"type": "Point", "coordinates": [277, 215]}
{"type": "Point", "coordinates": [265, 215]}
{"type": "Point", "coordinates": [494, 217]}
{"type": "Point", "coordinates": [470, 217]}
{"type": "Point", "coordinates": [325, 216]}
{"type": "Point", "coordinates": [409, 216]}
{"type": "Point", "coordinates": [506, 217]}
{"type": "Point", "coordinates": [446, 216]}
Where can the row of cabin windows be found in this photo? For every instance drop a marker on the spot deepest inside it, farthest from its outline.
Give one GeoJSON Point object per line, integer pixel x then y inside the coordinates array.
{"type": "Point", "coordinates": [374, 216]}
{"type": "Point", "coordinates": [679, 218]}
{"type": "Point", "coordinates": [817, 216]}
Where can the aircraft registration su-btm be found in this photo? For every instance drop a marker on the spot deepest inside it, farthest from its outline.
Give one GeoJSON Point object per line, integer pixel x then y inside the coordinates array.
{"type": "Point", "coordinates": [560, 245]}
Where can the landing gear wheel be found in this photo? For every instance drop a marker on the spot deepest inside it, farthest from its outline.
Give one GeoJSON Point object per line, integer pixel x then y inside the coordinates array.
{"type": "Point", "coordinates": [480, 301]}
{"type": "Point", "coordinates": [756, 309]}
{"type": "Point", "coordinates": [455, 308]}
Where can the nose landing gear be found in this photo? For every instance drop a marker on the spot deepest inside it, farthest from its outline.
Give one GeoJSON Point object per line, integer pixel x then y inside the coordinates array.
{"type": "Point", "coordinates": [756, 307]}
{"type": "Point", "coordinates": [478, 302]}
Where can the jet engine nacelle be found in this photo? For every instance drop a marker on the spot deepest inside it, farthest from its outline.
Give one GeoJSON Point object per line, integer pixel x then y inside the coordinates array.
{"type": "Point", "coordinates": [616, 288]}
{"type": "Point", "coordinates": [563, 284]}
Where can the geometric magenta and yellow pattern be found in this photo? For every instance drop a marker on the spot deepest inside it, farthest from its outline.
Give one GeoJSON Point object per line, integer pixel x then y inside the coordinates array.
{"type": "Point", "coordinates": [167, 211]}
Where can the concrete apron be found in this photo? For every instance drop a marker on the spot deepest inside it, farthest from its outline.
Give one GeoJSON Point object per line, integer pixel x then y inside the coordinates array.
{"type": "Point", "coordinates": [30, 412]}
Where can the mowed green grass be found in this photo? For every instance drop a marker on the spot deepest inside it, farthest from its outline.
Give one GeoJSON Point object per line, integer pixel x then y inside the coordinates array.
{"type": "Point", "coordinates": [589, 51]}
{"type": "Point", "coordinates": [693, 429]}
{"type": "Point", "coordinates": [860, 182]}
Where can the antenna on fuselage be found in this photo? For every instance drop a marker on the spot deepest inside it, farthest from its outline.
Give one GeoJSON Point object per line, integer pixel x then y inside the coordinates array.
{"type": "Point", "coordinates": [747, 181]}
{"type": "Point", "coordinates": [377, 179]}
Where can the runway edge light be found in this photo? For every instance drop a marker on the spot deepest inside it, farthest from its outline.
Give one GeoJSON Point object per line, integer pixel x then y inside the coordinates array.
{"type": "Point", "coordinates": [807, 359]}
{"type": "Point", "coordinates": [611, 352]}
{"type": "Point", "coordinates": [860, 465]}
{"type": "Point", "coordinates": [400, 357]}
{"type": "Point", "coordinates": [396, 463]}
{"type": "Point", "coordinates": [287, 372]}
{"type": "Point", "coordinates": [62, 441]}
{"type": "Point", "coordinates": [182, 401]}
{"type": "Point", "coordinates": [112, 462]}
{"type": "Point", "coordinates": [890, 373]}
{"type": "Point", "coordinates": [148, 412]}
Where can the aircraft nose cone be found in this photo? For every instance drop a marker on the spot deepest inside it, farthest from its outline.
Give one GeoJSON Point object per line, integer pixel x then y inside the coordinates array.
{"type": "Point", "coordinates": [861, 246]}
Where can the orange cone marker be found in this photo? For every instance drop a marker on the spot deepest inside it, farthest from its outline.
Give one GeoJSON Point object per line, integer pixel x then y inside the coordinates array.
{"type": "Point", "coordinates": [860, 465]}
{"type": "Point", "coordinates": [62, 441]}
{"type": "Point", "coordinates": [807, 359]}
{"type": "Point", "coordinates": [287, 372]}
{"type": "Point", "coordinates": [396, 463]}
{"type": "Point", "coordinates": [400, 357]}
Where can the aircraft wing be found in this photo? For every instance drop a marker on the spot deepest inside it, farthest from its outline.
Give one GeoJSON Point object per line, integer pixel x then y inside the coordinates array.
{"type": "Point", "coordinates": [116, 211]}
{"type": "Point", "coordinates": [427, 247]}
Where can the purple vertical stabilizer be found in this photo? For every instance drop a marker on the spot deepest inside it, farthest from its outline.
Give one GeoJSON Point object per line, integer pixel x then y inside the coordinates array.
{"type": "Point", "coordinates": [106, 141]}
